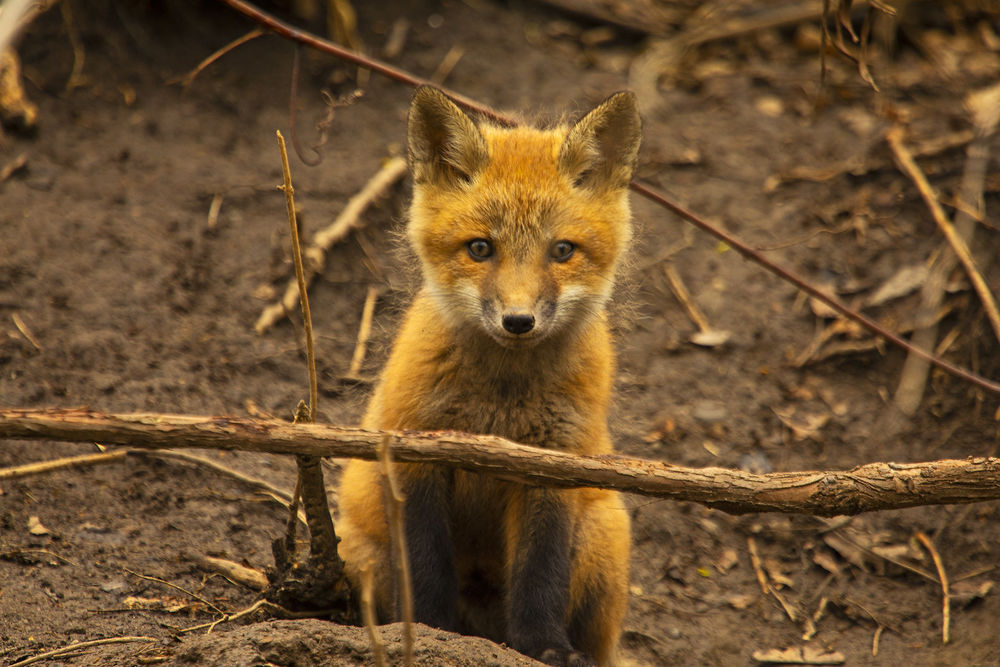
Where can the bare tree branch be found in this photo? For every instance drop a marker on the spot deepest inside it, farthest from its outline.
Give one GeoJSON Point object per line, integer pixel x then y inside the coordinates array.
{"type": "Point", "coordinates": [874, 486]}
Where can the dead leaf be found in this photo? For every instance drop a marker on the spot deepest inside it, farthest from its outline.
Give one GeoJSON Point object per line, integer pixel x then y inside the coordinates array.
{"type": "Point", "coordinates": [908, 279]}
{"type": "Point", "coordinates": [711, 337]}
{"type": "Point", "coordinates": [740, 600]}
{"type": "Point", "coordinates": [35, 527]}
{"type": "Point", "coordinates": [727, 560]}
{"type": "Point", "coordinates": [826, 561]}
{"type": "Point", "coordinates": [799, 655]}
{"type": "Point", "coordinates": [775, 572]}
{"type": "Point", "coordinates": [804, 426]}
{"type": "Point", "coordinates": [964, 593]}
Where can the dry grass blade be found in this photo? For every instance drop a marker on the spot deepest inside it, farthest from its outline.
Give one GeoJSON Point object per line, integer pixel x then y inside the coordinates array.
{"type": "Point", "coordinates": [364, 332]}
{"type": "Point", "coordinates": [943, 577]}
{"type": "Point", "coordinates": [368, 614]}
{"type": "Point", "coordinates": [394, 510]}
{"type": "Point", "coordinates": [984, 108]}
{"type": "Point", "coordinates": [910, 167]}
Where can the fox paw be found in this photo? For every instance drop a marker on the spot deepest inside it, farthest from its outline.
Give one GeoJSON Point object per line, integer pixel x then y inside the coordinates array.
{"type": "Point", "coordinates": [558, 657]}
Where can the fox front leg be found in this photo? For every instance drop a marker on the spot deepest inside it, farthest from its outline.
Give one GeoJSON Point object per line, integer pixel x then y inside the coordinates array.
{"type": "Point", "coordinates": [433, 577]}
{"type": "Point", "coordinates": [539, 558]}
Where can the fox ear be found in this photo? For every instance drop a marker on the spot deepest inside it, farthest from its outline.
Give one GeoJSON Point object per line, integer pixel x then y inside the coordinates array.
{"type": "Point", "coordinates": [443, 142]}
{"type": "Point", "coordinates": [600, 152]}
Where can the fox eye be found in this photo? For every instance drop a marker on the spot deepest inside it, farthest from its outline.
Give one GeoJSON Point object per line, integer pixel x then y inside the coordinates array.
{"type": "Point", "coordinates": [562, 250]}
{"type": "Point", "coordinates": [479, 249]}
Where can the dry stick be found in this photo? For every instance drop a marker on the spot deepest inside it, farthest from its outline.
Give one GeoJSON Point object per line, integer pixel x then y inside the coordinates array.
{"type": "Point", "coordinates": [59, 464]}
{"type": "Point", "coordinates": [873, 486]}
{"type": "Point", "coordinates": [322, 536]}
{"type": "Point", "coordinates": [364, 332]}
{"type": "Point", "coordinates": [233, 571]}
{"type": "Point", "coordinates": [651, 193]}
{"type": "Point", "coordinates": [77, 646]}
{"type": "Point", "coordinates": [349, 218]}
{"type": "Point", "coordinates": [913, 378]}
{"type": "Point", "coordinates": [368, 613]}
{"type": "Point", "coordinates": [946, 604]}
{"type": "Point", "coordinates": [910, 167]}
{"type": "Point", "coordinates": [394, 511]}
{"type": "Point", "coordinates": [289, 191]}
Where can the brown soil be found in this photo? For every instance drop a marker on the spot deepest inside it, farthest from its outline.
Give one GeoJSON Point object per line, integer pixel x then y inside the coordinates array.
{"type": "Point", "coordinates": [136, 304]}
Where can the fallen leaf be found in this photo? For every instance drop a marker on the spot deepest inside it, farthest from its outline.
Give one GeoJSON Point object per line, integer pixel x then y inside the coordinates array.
{"type": "Point", "coordinates": [727, 560]}
{"type": "Point", "coordinates": [826, 561]}
{"type": "Point", "coordinates": [799, 655]}
{"type": "Point", "coordinates": [35, 527]}
{"type": "Point", "coordinates": [903, 282]}
{"type": "Point", "coordinates": [711, 338]}
{"type": "Point", "coordinates": [740, 600]}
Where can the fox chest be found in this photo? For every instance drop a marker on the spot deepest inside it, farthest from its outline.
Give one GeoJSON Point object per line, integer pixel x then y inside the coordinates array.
{"type": "Point", "coordinates": [535, 413]}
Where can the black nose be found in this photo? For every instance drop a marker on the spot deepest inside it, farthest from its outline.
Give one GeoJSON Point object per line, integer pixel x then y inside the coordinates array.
{"type": "Point", "coordinates": [519, 323]}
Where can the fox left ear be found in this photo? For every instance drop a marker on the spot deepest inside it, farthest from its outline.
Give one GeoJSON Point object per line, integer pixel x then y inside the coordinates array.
{"type": "Point", "coordinates": [600, 152]}
{"type": "Point", "coordinates": [443, 142]}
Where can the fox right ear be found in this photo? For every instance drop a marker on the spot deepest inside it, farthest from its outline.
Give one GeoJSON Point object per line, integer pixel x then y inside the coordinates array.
{"type": "Point", "coordinates": [600, 152]}
{"type": "Point", "coordinates": [443, 142]}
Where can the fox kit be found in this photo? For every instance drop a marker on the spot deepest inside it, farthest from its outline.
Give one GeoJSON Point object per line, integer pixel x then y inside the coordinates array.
{"type": "Point", "coordinates": [519, 232]}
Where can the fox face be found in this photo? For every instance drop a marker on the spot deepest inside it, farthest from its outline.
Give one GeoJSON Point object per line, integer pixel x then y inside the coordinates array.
{"type": "Point", "coordinates": [520, 230]}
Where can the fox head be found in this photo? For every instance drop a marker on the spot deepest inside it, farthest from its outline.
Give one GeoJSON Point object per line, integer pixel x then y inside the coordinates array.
{"type": "Point", "coordinates": [520, 230]}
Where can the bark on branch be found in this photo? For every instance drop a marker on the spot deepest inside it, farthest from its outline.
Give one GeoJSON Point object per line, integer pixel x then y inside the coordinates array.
{"type": "Point", "coordinates": [874, 486]}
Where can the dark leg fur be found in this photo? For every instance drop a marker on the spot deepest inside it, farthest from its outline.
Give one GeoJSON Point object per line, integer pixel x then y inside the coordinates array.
{"type": "Point", "coordinates": [539, 580]}
{"type": "Point", "coordinates": [432, 557]}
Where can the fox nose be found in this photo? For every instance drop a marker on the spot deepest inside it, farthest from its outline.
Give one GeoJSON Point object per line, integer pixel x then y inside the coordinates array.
{"type": "Point", "coordinates": [518, 323]}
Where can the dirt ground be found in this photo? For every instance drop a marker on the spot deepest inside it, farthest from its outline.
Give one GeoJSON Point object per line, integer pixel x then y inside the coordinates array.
{"type": "Point", "coordinates": [119, 292]}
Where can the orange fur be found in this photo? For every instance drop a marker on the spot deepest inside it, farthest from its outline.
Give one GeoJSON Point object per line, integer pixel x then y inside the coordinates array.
{"type": "Point", "coordinates": [459, 364]}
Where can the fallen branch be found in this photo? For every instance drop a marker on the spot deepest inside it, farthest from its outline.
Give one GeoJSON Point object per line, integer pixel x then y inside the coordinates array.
{"type": "Point", "coordinates": [874, 486]}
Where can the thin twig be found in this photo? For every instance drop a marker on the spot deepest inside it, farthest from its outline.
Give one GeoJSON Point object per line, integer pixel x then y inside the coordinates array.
{"type": "Point", "coordinates": [946, 603]}
{"type": "Point", "coordinates": [682, 294]}
{"type": "Point", "coordinates": [350, 218]}
{"type": "Point", "coordinates": [912, 169]}
{"type": "Point", "coordinates": [274, 609]}
{"type": "Point", "coordinates": [394, 510]}
{"type": "Point", "coordinates": [178, 588]}
{"type": "Point", "coordinates": [55, 653]}
{"type": "Point", "coordinates": [364, 332]}
{"type": "Point", "coordinates": [189, 78]}
{"type": "Point", "coordinates": [368, 613]}
{"type": "Point", "coordinates": [447, 64]}
{"type": "Point", "coordinates": [293, 98]}
{"type": "Point", "coordinates": [299, 275]}
{"type": "Point", "coordinates": [875, 639]}
{"type": "Point", "coordinates": [293, 33]}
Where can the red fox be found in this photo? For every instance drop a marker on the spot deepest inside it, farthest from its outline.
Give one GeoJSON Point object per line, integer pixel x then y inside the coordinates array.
{"type": "Point", "coordinates": [519, 232]}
